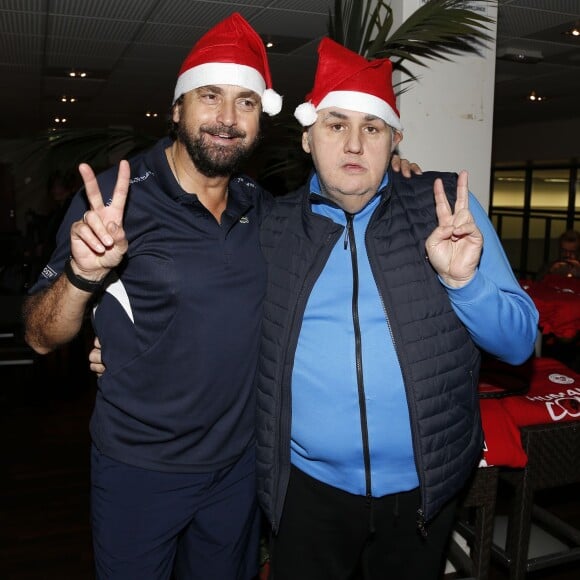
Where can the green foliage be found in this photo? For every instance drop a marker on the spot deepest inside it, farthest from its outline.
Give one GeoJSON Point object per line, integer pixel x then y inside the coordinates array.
{"type": "Point", "coordinates": [437, 30]}
{"type": "Point", "coordinates": [67, 148]}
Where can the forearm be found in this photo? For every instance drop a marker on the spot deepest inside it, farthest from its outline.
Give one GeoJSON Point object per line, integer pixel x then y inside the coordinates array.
{"type": "Point", "coordinates": [498, 313]}
{"type": "Point", "coordinates": [55, 315]}
{"type": "Point", "coordinates": [501, 321]}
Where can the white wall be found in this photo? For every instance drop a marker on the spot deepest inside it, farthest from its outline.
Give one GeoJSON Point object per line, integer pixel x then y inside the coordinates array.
{"type": "Point", "coordinates": [448, 113]}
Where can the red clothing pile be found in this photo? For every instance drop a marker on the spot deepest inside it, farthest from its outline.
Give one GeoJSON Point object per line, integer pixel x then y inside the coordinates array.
{"type": "Point", "coordinates": [553, 396]}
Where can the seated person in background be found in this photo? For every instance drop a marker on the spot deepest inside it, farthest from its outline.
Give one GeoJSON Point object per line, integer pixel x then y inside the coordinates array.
{"type": "Point", "coordinates": [568, 261]}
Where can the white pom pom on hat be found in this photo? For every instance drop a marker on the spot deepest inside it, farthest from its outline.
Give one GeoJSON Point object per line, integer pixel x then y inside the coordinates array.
{"type": "Point", "coordinates": [306, 114]}
{"type": "Point", "coordinates": [347, 80]}
{"type": "Point", "coordinates": [271, 102]}
{"type": "Point", "coordinates": [230, 53]}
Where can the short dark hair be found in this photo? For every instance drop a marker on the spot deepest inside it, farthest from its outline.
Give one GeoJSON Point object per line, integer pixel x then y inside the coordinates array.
{"type": "Point", "coordinates": [570, 236]}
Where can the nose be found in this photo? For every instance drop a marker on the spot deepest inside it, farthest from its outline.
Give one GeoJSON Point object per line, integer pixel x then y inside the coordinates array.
{"type": "Point", "coordinates": [353, 142]}
{"type": "Point", "coordinates": [227, 113]}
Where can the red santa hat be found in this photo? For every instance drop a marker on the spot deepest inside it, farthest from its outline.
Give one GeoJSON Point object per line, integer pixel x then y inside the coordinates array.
{"type": "Point", "coordinates": [347, 80]}
{"type": "Point", "coordinates": [230, 53]}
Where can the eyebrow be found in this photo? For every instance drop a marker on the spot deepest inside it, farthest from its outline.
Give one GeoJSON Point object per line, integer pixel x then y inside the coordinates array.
{"type": "Point", "coordinates": [217, 89]}
{"type": "Point", "coordinates": [342, 116]}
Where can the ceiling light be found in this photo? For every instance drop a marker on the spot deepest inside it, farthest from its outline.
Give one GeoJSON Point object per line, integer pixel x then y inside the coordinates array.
{"type": "Point", "coordinates": [269, 44]}
{"type": "Point", "coordinates": [520, 55]}
{"type": "Point", "coordinates": [152, 115]}
{"type": "Point", "coordinates": [574, 31]}
{"type": "Point", "coordinates": [77, 74]}
{"type": "Point", "coordinates": [535, 98]}
{"type": "Point", "coordinates": [65, 99]}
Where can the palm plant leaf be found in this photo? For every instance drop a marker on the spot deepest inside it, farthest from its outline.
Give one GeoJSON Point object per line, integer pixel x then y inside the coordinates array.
{"type": "Point", "coordinates": [67, 148]}
{"type": "Point", "coordinates": [352, 23]}
{"type": "Point", "coordinates": [437, 30]}
{"type": "Point", "coordinates": [95, 146]}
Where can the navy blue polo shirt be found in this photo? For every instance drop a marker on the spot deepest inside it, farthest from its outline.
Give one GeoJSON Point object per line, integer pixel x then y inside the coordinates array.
{"type": "Point", "coordinates": [180, 328]}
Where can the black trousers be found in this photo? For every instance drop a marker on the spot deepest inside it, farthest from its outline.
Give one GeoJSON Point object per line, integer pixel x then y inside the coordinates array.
{"type": "Point", "coordinates": [328, 534]}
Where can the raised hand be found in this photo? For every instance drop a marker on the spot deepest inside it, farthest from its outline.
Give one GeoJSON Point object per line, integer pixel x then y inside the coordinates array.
{"type": "Point", "coordinates": [98, 241]}
{"type": "Point", "coordinates": [454, 247]}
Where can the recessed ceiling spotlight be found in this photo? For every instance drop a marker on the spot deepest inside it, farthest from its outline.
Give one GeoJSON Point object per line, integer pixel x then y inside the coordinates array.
{"type": "Point", "coordinates": [574, 31]}
{"type": "Point", "coordinates": [60, 119]}
{"type": "Point", "coordinates": [521, 55]}
{"type": "Point", "coordinates": [269, 44]}
{"type": "Point", "coordinates": [535, 98]}
{"type": "Point", "coordinates": [152, 115]}
{"type": "Point", "coordinates": [77, 74]}
{"type": "Point", "coordinates": [65, 99]}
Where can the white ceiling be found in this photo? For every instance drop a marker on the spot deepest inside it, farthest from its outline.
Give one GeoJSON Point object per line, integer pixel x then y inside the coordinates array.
{"type": "Point", "coordinates": [134, 48]}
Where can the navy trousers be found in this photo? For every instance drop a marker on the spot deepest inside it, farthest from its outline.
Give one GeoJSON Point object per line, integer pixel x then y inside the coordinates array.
{"type": "Point", "coordinates": [150, 525]}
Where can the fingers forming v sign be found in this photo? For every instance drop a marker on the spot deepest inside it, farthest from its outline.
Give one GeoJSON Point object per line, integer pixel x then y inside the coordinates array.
{"type": "Point", "coordinates": [98, 241]}
{"type": "Point", "coordinates": [454, 247]}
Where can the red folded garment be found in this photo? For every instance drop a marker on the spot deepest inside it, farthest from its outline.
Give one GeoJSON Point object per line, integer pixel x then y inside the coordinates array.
{"type": "Point", "coordinates": [503, 444]}
{"type": "Point", "coordinates": [553, 396]}
{"type": "Point", "coordinates": [557, 299]}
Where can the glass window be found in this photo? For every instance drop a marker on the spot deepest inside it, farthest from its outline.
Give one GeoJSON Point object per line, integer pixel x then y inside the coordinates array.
{"type": "Point", "coordinates": [508, 188]}
{"type": "Point", "coordinates": [550, 189]}
{"type": "Point", "coordinates": [530, 228]}
{"type": "Point", "coordinates": [550, 197]}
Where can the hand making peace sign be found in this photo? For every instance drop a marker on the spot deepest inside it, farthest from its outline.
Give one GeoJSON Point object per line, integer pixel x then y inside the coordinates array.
{"type": "Point", "coordinates": [98, 240]}
{"type": "Point", "coordinates": [454, 247]}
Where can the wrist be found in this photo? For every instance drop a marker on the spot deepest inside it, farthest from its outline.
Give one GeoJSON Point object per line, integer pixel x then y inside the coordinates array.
{"type": "Point", "coordinates": [79, 282]}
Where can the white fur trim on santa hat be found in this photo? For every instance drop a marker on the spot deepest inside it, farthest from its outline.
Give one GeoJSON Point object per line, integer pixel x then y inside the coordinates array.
{"type": "Point", "coordinates": [306, 114]}
{"type": "Point", "coordinates": [219, 73]}
{"type": "Point", "coordinates": [271, 102]}
{"type": "Point", "coordinates": [363, 103]}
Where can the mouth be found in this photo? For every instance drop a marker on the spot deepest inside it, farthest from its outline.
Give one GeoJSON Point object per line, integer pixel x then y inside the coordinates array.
{"type": "Point", "coordinates": [224, 135]}
{"type": "Point", "coordinates": [353, 167]}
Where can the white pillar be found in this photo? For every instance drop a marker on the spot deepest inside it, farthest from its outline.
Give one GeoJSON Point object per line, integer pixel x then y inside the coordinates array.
{"type": "Point", "coordinates": [448, 114]}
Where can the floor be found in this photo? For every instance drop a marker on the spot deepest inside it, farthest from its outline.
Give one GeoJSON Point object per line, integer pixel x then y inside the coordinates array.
{"type": "Point", "coordinates": [44, 520]}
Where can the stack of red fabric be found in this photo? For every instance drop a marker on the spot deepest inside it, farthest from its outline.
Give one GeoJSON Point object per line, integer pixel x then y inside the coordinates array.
{"type": "Point", "coordinates": [557, 299]}
{"type": "Point", "coordinates": [553, 395]}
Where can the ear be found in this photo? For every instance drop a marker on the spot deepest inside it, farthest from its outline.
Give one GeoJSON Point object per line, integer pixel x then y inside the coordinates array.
{"type": "Point", "coordinates": [305, 141]}
{"type": "Point", "coordinates": [397, 138]}
{"type": "Point", "coordinates": [176, 112]}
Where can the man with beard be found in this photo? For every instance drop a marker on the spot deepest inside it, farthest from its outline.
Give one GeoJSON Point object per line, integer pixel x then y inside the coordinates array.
{"type": "Point", "coordinates": [171, 264]}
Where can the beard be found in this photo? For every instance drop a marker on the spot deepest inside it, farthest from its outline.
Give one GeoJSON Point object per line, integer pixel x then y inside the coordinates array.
{"type": "Point", "coordinates": [217, 160]}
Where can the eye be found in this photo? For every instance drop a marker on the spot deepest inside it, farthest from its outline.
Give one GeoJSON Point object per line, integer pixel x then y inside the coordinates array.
{"type": "Point", "coordinates": [247, 104]}
{"type": "Point", "coordinates": [209, 97]}
{"type": "Point", "coordinates": [371, 129]}
{"type": "Point", "coordinates": [336, 127]}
